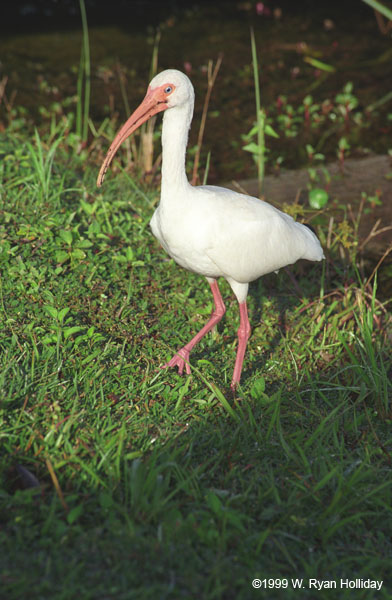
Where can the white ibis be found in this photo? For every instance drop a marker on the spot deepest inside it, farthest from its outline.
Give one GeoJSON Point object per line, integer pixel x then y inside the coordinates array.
{"type": "Point", "coordinates": [211, 230]}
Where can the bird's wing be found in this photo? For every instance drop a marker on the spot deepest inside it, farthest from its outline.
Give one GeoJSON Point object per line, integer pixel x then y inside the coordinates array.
{"type": "Point", "coordinates": [250, 238]}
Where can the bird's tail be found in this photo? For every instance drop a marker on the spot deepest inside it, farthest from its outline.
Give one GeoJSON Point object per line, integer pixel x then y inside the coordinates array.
{"type": "Point", "coordinates": [313, 249]}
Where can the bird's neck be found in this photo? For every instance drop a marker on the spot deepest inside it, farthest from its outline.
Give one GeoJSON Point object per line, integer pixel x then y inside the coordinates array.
{"type": "Point", "coordinates": [176, 123]}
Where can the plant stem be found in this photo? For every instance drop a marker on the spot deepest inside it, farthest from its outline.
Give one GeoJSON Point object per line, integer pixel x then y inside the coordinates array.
{"type": "Point", "coordinates": [212, 74]}
{"type": "Point", "coordinates": [147, 130]}
{"type": "Point", "coordinates": [260, 115]}
{"type": "Point", "coordinates": [84, 82]}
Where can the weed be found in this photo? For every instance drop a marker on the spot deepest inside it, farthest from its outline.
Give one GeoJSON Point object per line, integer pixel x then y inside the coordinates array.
{"type": "Point", "coordinates": [83, 83]}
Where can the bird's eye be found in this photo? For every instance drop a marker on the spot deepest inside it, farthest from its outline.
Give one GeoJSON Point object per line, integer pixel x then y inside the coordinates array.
{"type": "Point", "coordinates": [168, 89]}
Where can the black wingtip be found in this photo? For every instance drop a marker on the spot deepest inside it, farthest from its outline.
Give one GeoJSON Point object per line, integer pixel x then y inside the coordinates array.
{"type": "Point", "coordinates": [310, 227]}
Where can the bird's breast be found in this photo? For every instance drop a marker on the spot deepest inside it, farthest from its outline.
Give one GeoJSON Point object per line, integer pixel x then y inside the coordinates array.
{"type": "Point", "coordinates": [185, 240]}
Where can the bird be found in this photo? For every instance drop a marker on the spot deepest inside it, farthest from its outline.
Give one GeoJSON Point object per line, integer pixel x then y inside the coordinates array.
{"type": "Point", "coordinates": [211, 230]}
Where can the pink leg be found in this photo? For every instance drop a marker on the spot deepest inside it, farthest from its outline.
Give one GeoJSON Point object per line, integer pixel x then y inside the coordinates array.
{"type": "Point", "coordinates": [243, 336]}
{"type": "Point", "coordinates": [181, 358]}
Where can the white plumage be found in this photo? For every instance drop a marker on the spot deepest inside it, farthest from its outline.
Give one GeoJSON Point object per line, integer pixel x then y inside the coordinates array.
{"type": "Point", "coordinates": [211, 230]}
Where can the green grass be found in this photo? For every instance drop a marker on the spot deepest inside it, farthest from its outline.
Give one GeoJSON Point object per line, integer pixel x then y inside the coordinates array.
{"type": "Point", "coordinates": [120, 480]}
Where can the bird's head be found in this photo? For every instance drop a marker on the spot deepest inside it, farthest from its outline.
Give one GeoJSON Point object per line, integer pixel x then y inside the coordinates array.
{"type": "Point", "coordinates": [168, 89]}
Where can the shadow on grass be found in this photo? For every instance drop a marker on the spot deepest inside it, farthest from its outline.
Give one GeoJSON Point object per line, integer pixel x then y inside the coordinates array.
{"type": "Point", "coordinates": [299, 487]}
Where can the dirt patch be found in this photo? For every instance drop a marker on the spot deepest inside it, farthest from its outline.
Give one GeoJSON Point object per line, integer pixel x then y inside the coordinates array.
{"type": "Point", "coordinates": [372, 175]}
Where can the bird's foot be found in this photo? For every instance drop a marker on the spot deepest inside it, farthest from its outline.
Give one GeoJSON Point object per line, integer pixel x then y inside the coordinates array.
{"type": "Point", "coordinates": [180, 360]}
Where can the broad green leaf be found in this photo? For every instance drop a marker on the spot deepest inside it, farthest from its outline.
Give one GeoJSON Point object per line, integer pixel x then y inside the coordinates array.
{"type": "Point", "coordinates": [52, 311]}
{"type": "Point", "coordinates": [66, 236]}
{"type": "Point", "coordinates": [78, 254]}
{"type": "Point", "coordinates": [75, 513]}
{"type": "Point", "coordinates": [49, 339]}
{"type": "Point", "coordinates": [129, 254]}
{"type": "Point", "coordinates": [71, 330]}
{"type": "Point", "coordinates": [258, 388]}
{"type": "Point", "coordinates": [252, 147]}
{"type": "Point", "coordinates": [214, 503]}
{"type": "Point", "coordinates": [271, 132]}
{"type": "Point", "coordinates": [87, 207]}
{"type": "Point", "coordinates": [318, 198]}
{"type": "Point", "coordinates": [62, 313]}
{"type": "Point", "coordinates": [84, 244]}
{"type": "Point", "coordinates": [61, 256]}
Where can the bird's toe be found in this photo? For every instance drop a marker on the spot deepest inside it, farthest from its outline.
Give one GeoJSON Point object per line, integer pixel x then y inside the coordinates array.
{"type": "Point", "coordinates": [181, 361]}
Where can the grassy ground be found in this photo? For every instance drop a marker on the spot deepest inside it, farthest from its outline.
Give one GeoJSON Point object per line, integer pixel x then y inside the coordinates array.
{"type": "Point", "coordinates": [120, 480]}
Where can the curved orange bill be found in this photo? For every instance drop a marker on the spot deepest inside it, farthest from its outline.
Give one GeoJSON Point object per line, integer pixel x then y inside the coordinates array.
{"type": "Point", "coordinates": [154, 102]}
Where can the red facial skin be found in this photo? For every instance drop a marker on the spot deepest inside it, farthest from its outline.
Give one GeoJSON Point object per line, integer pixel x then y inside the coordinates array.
{"type": "Point", "coordinates": [155, 101]}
